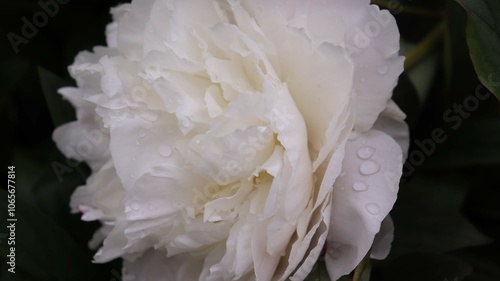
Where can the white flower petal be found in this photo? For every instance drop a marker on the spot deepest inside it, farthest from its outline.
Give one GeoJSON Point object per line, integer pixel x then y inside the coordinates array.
{"type": "Point", "coordinates": [391, 121]}
{"type": "Point", "coordinates": [83, 140]}
{"type": "Point", "coordinates": [155, 266]}
{"type": "Point", "coordinates": [383, 240]}
{"type": "Point", "coordinates": [362, 197]}
{"type": "Point", "coordinates": [372, 41]}
{"type": "Point", "coordinates": [227, 124]}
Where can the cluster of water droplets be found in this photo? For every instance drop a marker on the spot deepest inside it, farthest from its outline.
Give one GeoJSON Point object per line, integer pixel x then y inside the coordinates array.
{"type": "Point", "coordinates": [368, 167]}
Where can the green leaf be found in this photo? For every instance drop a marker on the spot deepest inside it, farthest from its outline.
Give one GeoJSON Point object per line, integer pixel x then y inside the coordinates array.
{"type": "Point", "coordinates": [483, 38]}
{"type": "Point", "coordinates": [406, 97]}
{"type": "Point", "coordinates": [60, 110]}
{"type": "Point", "coordinates": [43, 249]}
{"type": "Point", "coordinates": [484, 260]}
{"type": "Point", "coordinates": [362, 271]}
{"type": "Point", "coordinates": [12, 71]}
{"type": "Point", "coordinates": [318, 272]}
{"type": "Point", "coordinates": [482, 207]}
{"type": "Point", "coordinates": [427, 215]}
{"type": "Point", "coordinates": [420, 266]}
{"type": "Point", "coordinates": [474, 142]}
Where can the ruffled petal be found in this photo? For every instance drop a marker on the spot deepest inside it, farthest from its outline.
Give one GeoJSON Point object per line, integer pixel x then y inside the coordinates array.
{"type": "Point", "coordinates": [372, 41]}
{"type": "Point", "coordinates": [383, 240]}
{"type": "Point", "coordinates": [83, 140]}
{"type": "Point", "coordinates": [363, 195]}
{"type": "Point", "coordinates": [155, 266]}
{"type": "Point", "coordinates": [391, 121]}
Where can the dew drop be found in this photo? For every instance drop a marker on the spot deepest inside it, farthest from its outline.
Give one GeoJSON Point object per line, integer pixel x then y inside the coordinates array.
{"type": "Point", "coordinates": [164, 150]}
{"type": "Point", "coordinates": [142, 134]}
{"type": "Point", "coordinates": [135, 205]}
{"type": "Point", "coordinates": [360, 186]}
{"type": "Point", "coordinates": [134, 159]}
{"type": "Point", "coordinates": [366, 152]}
{"type": "Point", "coordinates": [382, 70]}
{"type": "Point", "coordinates": [369, 167]}
{"type": "Point", "coordinates": [373, 208]}
{"type": "Point", "coordinates": [137, 142]}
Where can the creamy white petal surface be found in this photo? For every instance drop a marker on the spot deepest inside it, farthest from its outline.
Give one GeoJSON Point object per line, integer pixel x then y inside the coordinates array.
{"type": "Point", "coordinates": [236, 139]}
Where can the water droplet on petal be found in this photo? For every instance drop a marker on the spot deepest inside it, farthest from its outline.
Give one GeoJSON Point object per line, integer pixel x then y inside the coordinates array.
{"type": "Point", "coordinates": [369, 167]}
{"type": "Point", "coordinates": [134, 159]}
{"type": "Point", "coordinates": [142, 134]}
{"type": "Point", "coordinates": [382, 70]}
{"type": "Point", "coordinates": [137, 142]}
{"type": "Point", "coordinates": [360, 186]}
{"type": "Point", "coordinates": [164, 150]}
{"type": "Point", "coordinates": [373, 208]}
{"type": "Point", "coordinates": [135, 205]}
{"type": "Point", "coordinates": [366, 152]}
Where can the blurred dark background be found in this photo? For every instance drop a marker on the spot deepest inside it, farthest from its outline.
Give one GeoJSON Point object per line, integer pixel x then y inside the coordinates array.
{"type": "Point", "coordinates": [448, 214]}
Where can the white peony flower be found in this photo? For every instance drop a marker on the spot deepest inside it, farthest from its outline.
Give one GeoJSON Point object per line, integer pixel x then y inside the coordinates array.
{"type": "Point", "coordinates": [232, 140]}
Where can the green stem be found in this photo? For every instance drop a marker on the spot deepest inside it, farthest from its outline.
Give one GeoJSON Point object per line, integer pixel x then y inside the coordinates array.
{"type": "Point", "coordinates": [399, 8]}
{"type": "Point", "coordinates": [416, 54]}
